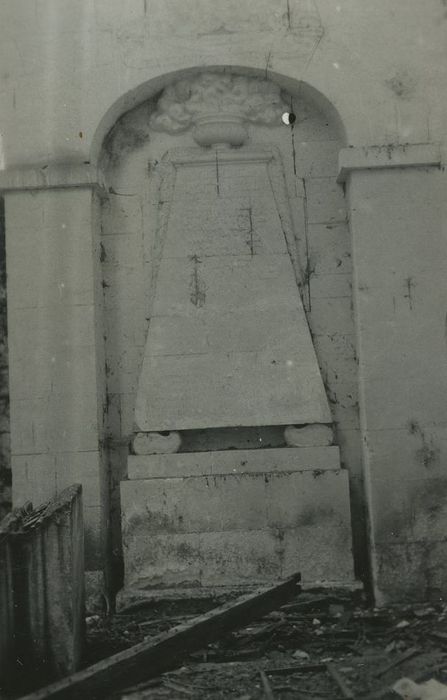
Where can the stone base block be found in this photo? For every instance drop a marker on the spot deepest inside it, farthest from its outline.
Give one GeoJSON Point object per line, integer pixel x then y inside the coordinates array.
{"type": "Point", "coordinates": [236, 518]}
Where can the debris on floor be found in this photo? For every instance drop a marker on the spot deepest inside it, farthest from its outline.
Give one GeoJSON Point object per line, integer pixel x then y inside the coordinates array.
{"type": "Point", "coordinates": [431, 690]}
{"type": "Point", "coordinates": [323, 644]}
{"type": "Point", "coordinates": [158, 654]}
{"type": "Point", "coordinates": [320, 645]}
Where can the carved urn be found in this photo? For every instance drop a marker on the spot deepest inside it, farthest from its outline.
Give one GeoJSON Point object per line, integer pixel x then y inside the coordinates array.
{"type": "Point", "coordinates": [214, 129]}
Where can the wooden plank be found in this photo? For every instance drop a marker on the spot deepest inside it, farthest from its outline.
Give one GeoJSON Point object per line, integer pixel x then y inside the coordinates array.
{"type": "Point", "coordinates": [165, 651]}
{"type": "Point", "coordinates": [408, 654]}
{"type": "Point", "coordinates": [340, 681]}
{"type": "Point", "coordinates": [296, 668]}
{"type": "Point", "coordinates": [268, 692]}
{"type": "Point", "coordinates": [439, 637]}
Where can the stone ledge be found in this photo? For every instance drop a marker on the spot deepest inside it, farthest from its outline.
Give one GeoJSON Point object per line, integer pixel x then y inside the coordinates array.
{"type": "Point", "coordinates": [199, 464]}
{"type": "Point", "coordinates": [53, 176]}
{"type": "Point", "coordinates": [130, 598]}
{"type": "Point", "coordinates": [417, 155]}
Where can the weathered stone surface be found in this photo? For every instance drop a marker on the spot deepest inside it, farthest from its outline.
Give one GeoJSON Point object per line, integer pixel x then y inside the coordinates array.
{"type": "Point", "coordinates": [391, 156]}
{"type": "Point", "coordinates": [234, 462]}
{"type": "Point", "coordinates": [156, 443]}
{"type": "Point", "coordinates": [400, 315]}
{"type": "Point", "coordinates": [131, 263]}
{"type": "Point", "coordinates": [56, 369]}
{"type": "Point", "coordinates": [243, 354]}
{"type": "Point", "coordinates": [126, 61]}
{"type": "Point", "coordinates": [232, 526]}
{"type": "Point", "coordinates": [308, 435]}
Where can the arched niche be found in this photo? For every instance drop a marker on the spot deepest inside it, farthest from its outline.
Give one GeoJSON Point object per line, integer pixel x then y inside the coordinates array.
{"type": "Point", "coordinates": [132, 157]}
{"type": "Point", "coordinates": [148, 90]}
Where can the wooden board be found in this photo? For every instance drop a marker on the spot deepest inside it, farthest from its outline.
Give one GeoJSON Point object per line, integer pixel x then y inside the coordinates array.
{"type": "Point", "coordinates": [165, 651]}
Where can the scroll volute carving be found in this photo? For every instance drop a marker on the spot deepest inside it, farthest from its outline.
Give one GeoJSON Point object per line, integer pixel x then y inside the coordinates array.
{"type": "Point", "coordinates": [218, 107]}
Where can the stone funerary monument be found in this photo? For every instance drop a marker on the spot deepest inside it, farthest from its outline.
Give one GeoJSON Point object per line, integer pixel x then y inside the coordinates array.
{"type": "Point", "coordinates": [228, 347]}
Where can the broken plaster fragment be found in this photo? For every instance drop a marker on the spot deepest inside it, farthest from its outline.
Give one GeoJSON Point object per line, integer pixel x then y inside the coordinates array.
{"type": "Point", "coordinates": [402, 624]}
{"type": "Point", "coordinates": [157, 443]}
{"type": "Point", "coordinates": [308, 435]}
{"type": "Point", "coordinates": [431, 690]}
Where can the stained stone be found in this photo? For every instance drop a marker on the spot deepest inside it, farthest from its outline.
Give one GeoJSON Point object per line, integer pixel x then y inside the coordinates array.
{"type": "Point", "coordinates": [228, 341]}
{"type": "Point", "coordinates": [236, 517]}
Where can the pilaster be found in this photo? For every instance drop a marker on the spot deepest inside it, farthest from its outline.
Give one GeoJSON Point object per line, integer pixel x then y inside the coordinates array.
{"type": "Point", "coordinates": [57, 387]}
{"type": "Point", "coordinates": [399, 239]}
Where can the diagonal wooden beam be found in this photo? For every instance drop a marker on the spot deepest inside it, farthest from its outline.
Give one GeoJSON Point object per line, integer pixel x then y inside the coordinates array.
{"type": "Point", "coordinates": [165, 651]}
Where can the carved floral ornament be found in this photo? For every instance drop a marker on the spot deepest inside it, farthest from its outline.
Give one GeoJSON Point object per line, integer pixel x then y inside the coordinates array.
{"type": "Point", "coordinates": [218, 106]}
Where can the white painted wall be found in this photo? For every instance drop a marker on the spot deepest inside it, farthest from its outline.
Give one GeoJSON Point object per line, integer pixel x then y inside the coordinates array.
{"type": "Point", "coordinates": [68, 69]}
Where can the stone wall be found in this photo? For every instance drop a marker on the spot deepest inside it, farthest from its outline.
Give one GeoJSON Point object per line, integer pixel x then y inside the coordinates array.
{"type": "Point", "coordinates": [5, 461]}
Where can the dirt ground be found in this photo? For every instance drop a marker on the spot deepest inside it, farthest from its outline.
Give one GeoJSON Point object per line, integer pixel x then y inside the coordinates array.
{"type": "Point", "coordinates": [321, 645]}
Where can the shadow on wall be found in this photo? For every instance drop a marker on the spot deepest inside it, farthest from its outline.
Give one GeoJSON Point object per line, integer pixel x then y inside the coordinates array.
{"type": "Point", "coordinates": [5, 462]}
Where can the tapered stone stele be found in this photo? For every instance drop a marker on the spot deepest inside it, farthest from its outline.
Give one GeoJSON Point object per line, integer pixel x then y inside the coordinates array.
{"type": "Point", "coordinates": [228, 341]}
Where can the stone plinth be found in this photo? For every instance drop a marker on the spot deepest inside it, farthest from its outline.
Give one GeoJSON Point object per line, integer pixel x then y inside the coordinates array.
{"type": "Point", "coordinates": [235, 518]}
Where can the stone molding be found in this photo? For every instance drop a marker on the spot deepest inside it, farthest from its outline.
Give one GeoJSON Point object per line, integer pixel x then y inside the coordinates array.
{"type": "Point", "coordinates": [413, 155]}
{"type": "Point", "coordinates": [52, 176]}
{"type": "Point", "coordinates": [213, 463]}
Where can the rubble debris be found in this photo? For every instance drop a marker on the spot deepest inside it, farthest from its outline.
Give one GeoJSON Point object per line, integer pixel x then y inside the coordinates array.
{"type": "Point", "coordinates": [156, 655]}
{"type": "Point", "coordinates": [266, 686]}
{"type": "Point", "coordinates": [397, 662]}
{"type": "Point", "coordinates": [340, 681]}
{"type": "Point", "coordinates": [439, 637]}
{"type": "Point", "coordinates": [359, 654]}
{"type": "Point", "coordinates": [364, 667]}
{"type": "Point", "coordinates": [431, 690]}
{"type": "Point", "coordinates": [300, 654]}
